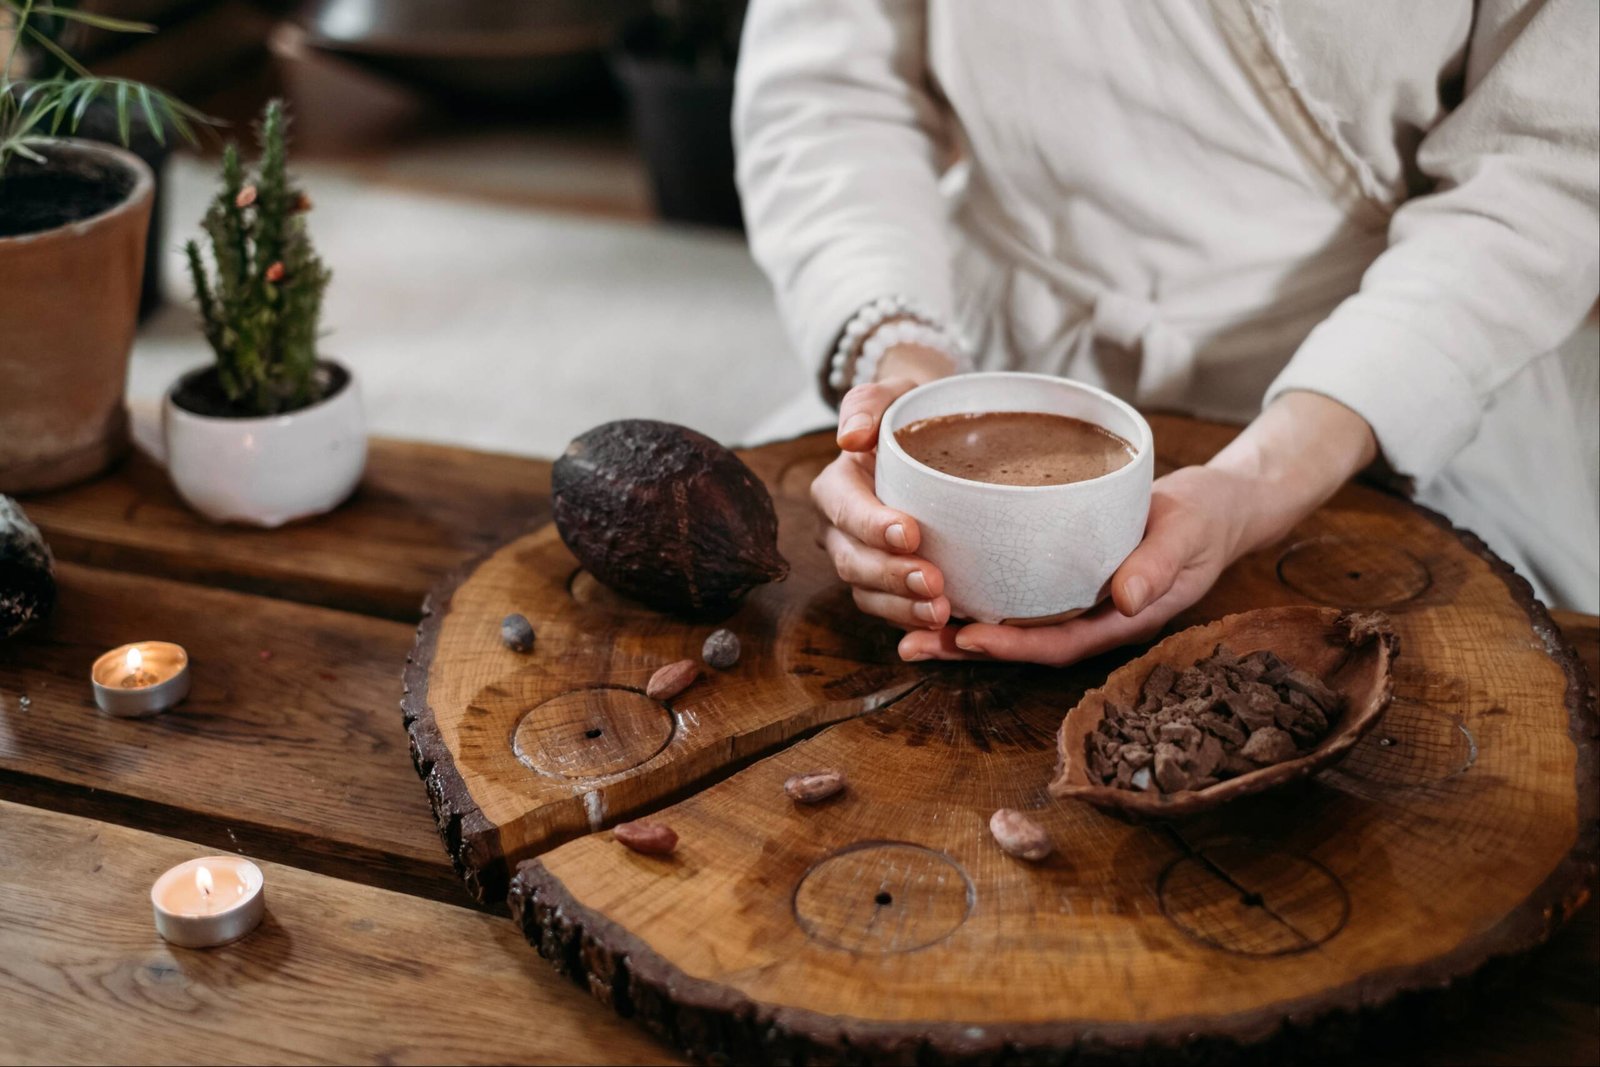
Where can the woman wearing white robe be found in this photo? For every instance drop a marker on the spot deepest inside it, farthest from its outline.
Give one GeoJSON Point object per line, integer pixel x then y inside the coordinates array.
{"type": "Point", "coordinates": [1360, 228]}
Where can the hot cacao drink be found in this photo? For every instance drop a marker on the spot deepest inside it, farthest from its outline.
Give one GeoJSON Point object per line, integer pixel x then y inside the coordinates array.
{"type": "Point", "coordinates": [1015, 447]}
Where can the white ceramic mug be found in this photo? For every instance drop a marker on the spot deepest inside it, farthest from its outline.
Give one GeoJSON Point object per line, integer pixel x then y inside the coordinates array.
{"type": "Point", "coordinates": [1019, 553]}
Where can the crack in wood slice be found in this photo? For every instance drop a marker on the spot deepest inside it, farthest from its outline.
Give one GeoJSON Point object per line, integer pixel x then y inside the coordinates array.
{"type": "Point", "coordinates": [521, 752]}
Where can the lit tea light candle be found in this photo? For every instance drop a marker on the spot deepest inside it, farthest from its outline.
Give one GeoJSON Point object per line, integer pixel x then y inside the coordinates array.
{"type": "Point", "coordinates": [209, 901]}
{"type": "Point", "coordinates": [140, 679]}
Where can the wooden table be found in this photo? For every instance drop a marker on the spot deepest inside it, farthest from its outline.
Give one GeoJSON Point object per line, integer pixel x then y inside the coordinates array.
{"type": "Point", "coordinates": [291, 750]}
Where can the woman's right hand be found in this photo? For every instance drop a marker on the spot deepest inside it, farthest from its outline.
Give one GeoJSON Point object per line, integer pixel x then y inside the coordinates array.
{"type": "Point", "coordinates": [874, 547]}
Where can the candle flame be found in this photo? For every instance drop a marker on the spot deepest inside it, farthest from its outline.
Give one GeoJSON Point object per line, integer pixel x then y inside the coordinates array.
{"type": "Point", "coordinates": [135, 660]}
{"type": "Point", "coordinates": [202, 879]}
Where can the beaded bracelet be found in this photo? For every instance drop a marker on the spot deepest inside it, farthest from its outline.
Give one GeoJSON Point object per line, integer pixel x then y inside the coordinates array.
{"type": "Point", "coordinates": [903, 332]}
{"type": "Point", "coordinates": [851, 361]}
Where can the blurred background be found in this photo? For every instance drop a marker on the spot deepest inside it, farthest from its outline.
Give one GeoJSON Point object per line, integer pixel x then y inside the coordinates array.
{"type": "Point", "coordinates": [528, 206]}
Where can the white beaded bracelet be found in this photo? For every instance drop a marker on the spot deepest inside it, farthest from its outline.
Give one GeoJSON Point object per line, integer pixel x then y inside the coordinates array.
{"type": "Point", "coordinates": [865, 325]}
{"type": "Point", "coordinates": [903, 332]}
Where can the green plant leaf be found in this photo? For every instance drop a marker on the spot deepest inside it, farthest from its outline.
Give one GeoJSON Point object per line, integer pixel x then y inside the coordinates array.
{"type": "Point", "coordinates": [49, 45]}
{"type": "Point", "coordinates": [147, 105]}
{"type": "Point", "coordinates": [89, 18]}
{"type": "Point", "coordinates": [124, 119]}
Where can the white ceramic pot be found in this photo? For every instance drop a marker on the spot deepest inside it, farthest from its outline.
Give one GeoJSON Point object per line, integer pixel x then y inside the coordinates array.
{"type": "Point", "coordinates": [1019, 553]}
{"type": "Point", "coordinates": [271, 470]}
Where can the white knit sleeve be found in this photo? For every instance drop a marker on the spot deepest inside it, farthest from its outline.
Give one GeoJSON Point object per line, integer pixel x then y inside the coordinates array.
{"type": "Point", "coordinates": [1496, 265]}
{"type": "Point", "coordinates": [839, 138]}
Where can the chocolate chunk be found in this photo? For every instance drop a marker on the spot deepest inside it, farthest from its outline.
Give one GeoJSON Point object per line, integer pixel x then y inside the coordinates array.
{"type": "Point", "coordinates": [1301, 682]}
{"type": "Point", "coordinates": [1254, 709]}
{"type": "Point", "coordinates": [1267, 745]}
{"type": "Point", "coordinates": [1183, 733]}
{"type": "Point", "coordinates": [1099, 766]}
{"type": "Point", "coordinates": [1206, 758]}
{"type": "Point", "coordinates": [1222, 657]}
{"type": "Point", "coordinates": [1170, 775]}
{"type": "Point", "coordinates": [1191, 683]}
{"type": "Point", "coordinates": [1159, 683]}
{"type": "Point", "coordinates": [1223, 727]}
{"type": "Point", "coordinates": [1137, 756]}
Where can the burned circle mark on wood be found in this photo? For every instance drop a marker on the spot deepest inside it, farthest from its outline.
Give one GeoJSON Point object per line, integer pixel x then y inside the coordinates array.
{"type": "Point", "coordinates": [1354, 572]}
{"type": "Point", "coordinates": [1253, 899]}
{"type": "Point", "coordinates": [877, 898]}
{"type": "Point", "coordinates": [592, 732]}
{"type": "Point", "coordinates": [1415, 744]}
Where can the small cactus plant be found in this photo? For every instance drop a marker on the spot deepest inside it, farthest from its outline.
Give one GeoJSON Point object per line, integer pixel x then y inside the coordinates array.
{"type": "Point", "coordinates": [260, 307]}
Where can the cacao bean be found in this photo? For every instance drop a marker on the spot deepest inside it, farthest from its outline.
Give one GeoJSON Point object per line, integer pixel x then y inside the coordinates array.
{"type": "Point", "coordinates": [1019, 836]}
{"type": "Point", "coordinates": [516, 633]}
{"type": "Point", "coordinates": [651, 838]}
{"type": "Point", "coordinates": [672, 679]}
{"type": "Point", "coordinates": [814, 786]}
{"type": "Point", "coordinates": [721, 649]}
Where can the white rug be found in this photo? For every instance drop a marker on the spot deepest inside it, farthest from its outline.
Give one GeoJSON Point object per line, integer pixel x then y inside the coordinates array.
{"type": "Point", "coordinates": [514, 330]}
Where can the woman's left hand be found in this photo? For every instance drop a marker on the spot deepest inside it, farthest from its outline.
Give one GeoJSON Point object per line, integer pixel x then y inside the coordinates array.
{"type": "Point", "coordinates": [1194, 532]}
{"type": "Point", "coordinates": [1285, 465]}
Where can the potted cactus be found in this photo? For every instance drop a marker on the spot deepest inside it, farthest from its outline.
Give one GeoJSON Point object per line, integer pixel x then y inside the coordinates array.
{"type": "Point", "coordinates": [73, 219]}
{"type": "Point", "coordinates": [270, 431]}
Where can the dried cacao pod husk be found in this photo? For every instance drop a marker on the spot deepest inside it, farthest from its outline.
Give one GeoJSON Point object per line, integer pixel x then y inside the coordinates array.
{"type": "Point", "coordinates": [666, 516]}
{"type": "Point", "coordinates": [27, 572]}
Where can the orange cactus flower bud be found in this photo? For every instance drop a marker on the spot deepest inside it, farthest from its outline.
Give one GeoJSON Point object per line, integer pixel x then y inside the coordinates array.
{"type": "Point", "coordinates": [275, 272]}
{"type": "Point", "coordinates": [246, 197]}
{"type": "Point", "coordinates": [302, 203]}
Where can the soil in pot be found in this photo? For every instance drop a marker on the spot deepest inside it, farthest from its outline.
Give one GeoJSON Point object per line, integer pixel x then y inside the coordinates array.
{"type": "Point", "coordinates": [35, 197]}
{"type": "Point", "coordinates": [201, 392]}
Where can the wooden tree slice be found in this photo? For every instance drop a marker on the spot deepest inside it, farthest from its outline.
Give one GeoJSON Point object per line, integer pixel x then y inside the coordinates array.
{"type": "Point", "coordinates": [884, 924]}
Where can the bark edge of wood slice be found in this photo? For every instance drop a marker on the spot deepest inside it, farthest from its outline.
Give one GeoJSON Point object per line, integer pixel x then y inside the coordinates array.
{"type": "Point", "coordinates": [1311, 638]}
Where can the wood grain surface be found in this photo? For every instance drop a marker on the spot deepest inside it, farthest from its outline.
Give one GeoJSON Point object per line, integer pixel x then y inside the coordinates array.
{"type": "Point", "coordinates": [886, 921]}
{"type": "Point", "coordinates": [419, 511]}
{"type": "Point", "coordinates": [289, 745]}
{"type": "Point", "coordinates": [337, 973]}
{"type": "Point", "coordinates": [317, 778]}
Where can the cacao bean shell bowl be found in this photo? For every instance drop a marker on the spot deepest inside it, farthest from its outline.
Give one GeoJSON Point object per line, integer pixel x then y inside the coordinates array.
{"type": "Point", "coordinates": [1351, 654]}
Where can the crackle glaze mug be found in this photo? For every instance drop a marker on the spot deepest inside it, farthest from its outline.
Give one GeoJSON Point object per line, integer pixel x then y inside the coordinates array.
{"type": "Point", "coordinates": [1021, 554]}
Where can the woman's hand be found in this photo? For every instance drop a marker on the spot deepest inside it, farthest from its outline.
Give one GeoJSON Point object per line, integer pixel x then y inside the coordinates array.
{"type": "Point", "coordinates": [1202, 519]}
{"type": "Point", "coordinates": [873, 547]}
{"type": "Point", "coordinates": [1195, 531]}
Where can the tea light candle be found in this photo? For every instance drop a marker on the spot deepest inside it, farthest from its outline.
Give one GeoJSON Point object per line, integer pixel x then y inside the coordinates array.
{"type": "Point", "coordinates": [140, 679]}
{"type": "Point", "coordinates": [209, 901]}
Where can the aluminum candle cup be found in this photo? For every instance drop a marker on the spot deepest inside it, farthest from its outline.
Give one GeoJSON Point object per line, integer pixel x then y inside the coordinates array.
{"type": "Point", "coordinates": [1022, 554]}
{"type": "Point", "coordinates": [144, 678]}
{"type": "Point", "coordinates": [209, 901]}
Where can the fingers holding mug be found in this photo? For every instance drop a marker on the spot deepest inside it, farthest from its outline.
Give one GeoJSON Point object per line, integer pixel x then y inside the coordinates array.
{"type": "Point", "coordinates": [845, 496]}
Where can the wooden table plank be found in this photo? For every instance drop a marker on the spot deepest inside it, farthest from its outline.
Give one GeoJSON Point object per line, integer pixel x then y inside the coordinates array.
{"type": "Point", "coordinates": [420, 510]}
{"type": "Point", "coordinates": [299, 756]}
{"type": "Point", "coordinates": [337, 972]}
{"type": "Point", "coordinates": [1584, 633]}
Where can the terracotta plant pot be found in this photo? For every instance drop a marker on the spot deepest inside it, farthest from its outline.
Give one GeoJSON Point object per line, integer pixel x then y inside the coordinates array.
{"type": "Point", "coordinates": [69, 303]}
